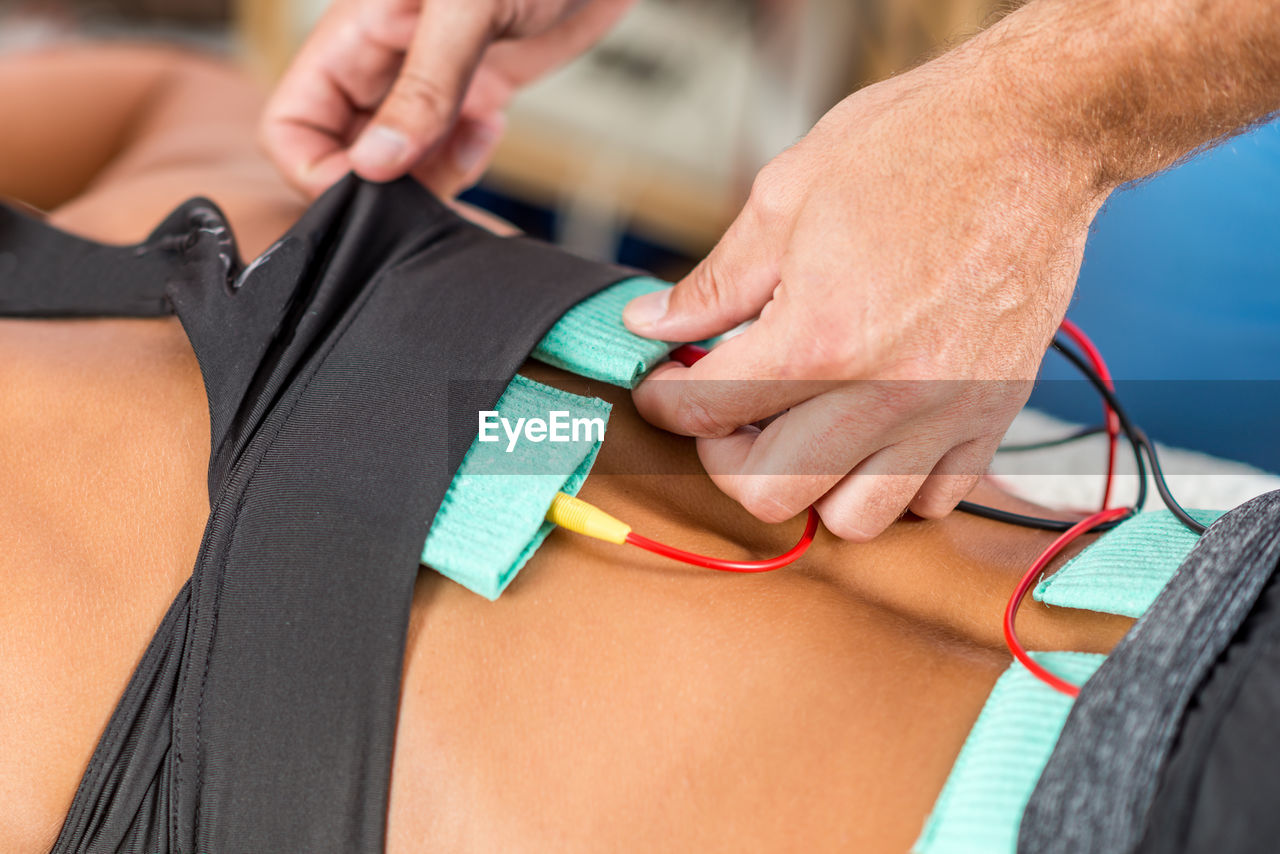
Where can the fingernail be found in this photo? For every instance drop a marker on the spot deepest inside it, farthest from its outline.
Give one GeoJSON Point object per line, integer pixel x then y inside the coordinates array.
{"type": "Point", "coordinates": [473, 146]}
{"type": "Point", "coordinates": [379, 147]}
{"type": "Point", "coordinates": [645, 312]}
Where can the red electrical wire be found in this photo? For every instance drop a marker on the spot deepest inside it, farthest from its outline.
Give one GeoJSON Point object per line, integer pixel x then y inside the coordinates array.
{"type": "Point", "coordinates": [1011, 609]}
{"type": "Point", "coordinates": [1091, 352]}
{"type": "Point", "coordinates": [687, 354]}
{"type": "Point", "coordinates": [691, 353]}
{"type": "Point", "coordinates": [810, 529]}
{"type": "Point", "coordinates": [1094, 355]}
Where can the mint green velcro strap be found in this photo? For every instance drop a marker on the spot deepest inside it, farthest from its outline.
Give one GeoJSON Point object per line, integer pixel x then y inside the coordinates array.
{"type": "Point", "coordinates": [591, 341]}
{"type": "Point", "coordinates": [1125, 570]}
{"type": "Point", "coordinates": [491, 520]}
{"type": "Point", "coordinates": [981, 805]}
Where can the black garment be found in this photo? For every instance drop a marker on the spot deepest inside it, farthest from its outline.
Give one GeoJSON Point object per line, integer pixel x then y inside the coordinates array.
{"type": "Point", "coordinates": [261, 717]}
{"type": "Point", "coordinates": [1172, 745]}
{"type": "Point", "coordinates": [1220, 791]}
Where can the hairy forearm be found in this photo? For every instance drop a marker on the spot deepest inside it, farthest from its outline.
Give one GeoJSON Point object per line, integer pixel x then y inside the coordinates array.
{"type": "Point", "coordinates": [1124, 88]}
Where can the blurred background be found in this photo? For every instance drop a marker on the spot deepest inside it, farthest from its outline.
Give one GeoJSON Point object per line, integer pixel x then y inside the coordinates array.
{"type": "Point", "coordinates": [643, 151]}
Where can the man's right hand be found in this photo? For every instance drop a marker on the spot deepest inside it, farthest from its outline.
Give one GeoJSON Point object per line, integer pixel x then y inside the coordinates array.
{"type": "Point", "coordinates": [389, 87]}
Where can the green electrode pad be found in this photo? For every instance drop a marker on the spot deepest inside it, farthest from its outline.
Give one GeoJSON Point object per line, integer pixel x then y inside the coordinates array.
{"type": "Point", "coordinates": [492, 518]}
{"type": "Point", "coordinates": [1123, 572]}
{"type": "Point", "coordinates": [590, 340]}
{"type": "Point", "coordinates": [492, 521]}
{"type": "Point", "coordinates": [982, 802]}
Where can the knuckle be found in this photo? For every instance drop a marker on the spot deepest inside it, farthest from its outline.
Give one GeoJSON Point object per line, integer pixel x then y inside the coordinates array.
{"type": "Point", "coordinates": [993, 401]}
{"type": "Point", "coordinates": [941, 494]}
{"type": "Point", "coordinates": [699, 417]}
{"type": "Point", "coordinates": [830, 356]}
{"type": "Point", "coordinates": [830, 352]}
{"type": "Point", "coordinates": [770, 196]}
{"type": "Point", "coordinates": [709, 285]}
{"type": "Point", "coordinates": [417, 91]}
{"type": "Point", "coordinates": [933, 503]}
{"type": "Point", "coordinates": [910, 396]}
{"type": "Point", "coordinates": [850, 526]}
{"type": "Point", "coordinates": [909, 407]}
{"type": "Point", "coordinates": [876, 508]}
{"type": "Point", "coordinates": [760, 498]}
{"type": "Point", "coordinates": [849, 421]}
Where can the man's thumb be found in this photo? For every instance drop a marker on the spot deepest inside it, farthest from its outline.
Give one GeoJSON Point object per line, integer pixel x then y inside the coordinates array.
{"type": "Point", "coordinates": [418, 112]}
{"type": "Point", "coordinates": [730, 285]}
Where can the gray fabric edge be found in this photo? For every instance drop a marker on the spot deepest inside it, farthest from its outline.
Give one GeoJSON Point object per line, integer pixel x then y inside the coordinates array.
{"type": "Point", "coordinates": [1100, 781]}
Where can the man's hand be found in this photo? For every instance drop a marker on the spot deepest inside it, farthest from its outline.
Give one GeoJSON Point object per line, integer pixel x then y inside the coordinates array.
{"type": "Point", "coordinates": [911, 257]}
{"type": "Point", "coordinates": [906, 260]}
{"type": "Point", "coordinates": [388, 87]}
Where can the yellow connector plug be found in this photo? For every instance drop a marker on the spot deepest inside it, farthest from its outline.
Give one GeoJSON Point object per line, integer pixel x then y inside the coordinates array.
{"type": "Point", "coordinates": [578, 516]}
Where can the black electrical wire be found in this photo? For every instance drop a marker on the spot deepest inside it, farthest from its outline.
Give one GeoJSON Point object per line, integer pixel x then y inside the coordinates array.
{"type": "Point", "coordinates": [1023, 521]}
{"type": "Point", "coordinates": [1138, 436]}
{"type": "Point", "coordinates": [1162, 487]}
{"type": "Point", "coordinates": [1131, 432]}
{"type": "Point", "coordinates": [1082, 433]}
{"type": "Point", "coordinates": [1138, 441]}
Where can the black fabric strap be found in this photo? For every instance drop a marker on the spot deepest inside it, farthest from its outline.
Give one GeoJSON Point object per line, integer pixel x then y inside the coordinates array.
{"type": "Point", "coordinates": [1098, 790]}
{"type": "Point", "coordinates": [262, 715]}
{"type": "Point", "coordinates": [1221, 783]}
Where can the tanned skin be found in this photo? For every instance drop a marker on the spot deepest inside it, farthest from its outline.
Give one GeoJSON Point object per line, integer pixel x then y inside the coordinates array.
{"type": "Point", "coordinates": [609, 701]}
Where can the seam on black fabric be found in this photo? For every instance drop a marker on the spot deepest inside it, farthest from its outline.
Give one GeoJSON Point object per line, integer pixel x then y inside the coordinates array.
{"type": "Point", "coordinates": [76, 812]}
{"type": "Point", "coordinates": [179, 704]}
{"type": "Point", "coordinates": [222, 529]}
{"type": "Point", "coordinates": [148, 666]}
{"type": "Point", "coordinates": [179, 700]}
{"type": "Point", "coordinates": [93, 770]}
{"type": "Point", "coordinates": [277, 345]}
{"type": "Point", "coordinates": [234, 523]}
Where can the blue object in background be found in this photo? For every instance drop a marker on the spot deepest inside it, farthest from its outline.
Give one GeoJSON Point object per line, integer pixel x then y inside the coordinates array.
{"type": "Point", "coordinates": [1180, 289]}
